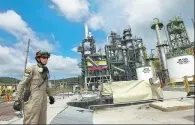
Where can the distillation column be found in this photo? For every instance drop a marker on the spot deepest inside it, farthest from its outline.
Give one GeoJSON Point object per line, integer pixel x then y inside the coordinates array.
{"type": "Point", "coordinates": [157, 26]}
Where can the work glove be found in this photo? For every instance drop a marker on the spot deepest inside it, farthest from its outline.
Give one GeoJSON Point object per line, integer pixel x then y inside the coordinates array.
{"type": "Point", "coordinates": [17, 105]}
{"type": "Point", "coordinates": [51, 100]}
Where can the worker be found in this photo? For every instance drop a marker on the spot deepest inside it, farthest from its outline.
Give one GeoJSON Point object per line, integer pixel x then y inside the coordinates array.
{"type": "Point", "coordinates": [6, 89]}
{"type": "Point", "coordinates": [35, 82]}
{"type": "Point", "coordinates": [2, 91]}
{"type": "Point", "coordinates": [12, 90]}
{"type": "Point", "coordinates": [8, 93]}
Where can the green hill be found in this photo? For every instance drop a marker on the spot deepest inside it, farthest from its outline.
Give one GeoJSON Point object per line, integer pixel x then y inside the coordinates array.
{"type": "Point", "coordinates": [8, 80]}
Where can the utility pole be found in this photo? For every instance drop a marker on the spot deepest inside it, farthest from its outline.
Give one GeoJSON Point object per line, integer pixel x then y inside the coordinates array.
{"type": "Point", "coordinates": [27, 51]}
{"type": "Point", "coordinates": [22, 103]}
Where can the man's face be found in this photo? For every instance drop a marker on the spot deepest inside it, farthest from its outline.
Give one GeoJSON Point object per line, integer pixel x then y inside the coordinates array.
{"type": "Point", "coordinates": [44, 59]}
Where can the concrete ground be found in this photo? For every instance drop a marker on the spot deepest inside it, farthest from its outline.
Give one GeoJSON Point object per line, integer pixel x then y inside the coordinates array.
{"type": "Point", "coordinates": [139, 114]}
{"type": "Point", "coordinates": [144, 114]}
{"type": "Point", "coordinates": [52, 110]}
{"type": "Point", "coordinates": [73, 115]}
{"type": "Point", "coordinates": [6, 111]}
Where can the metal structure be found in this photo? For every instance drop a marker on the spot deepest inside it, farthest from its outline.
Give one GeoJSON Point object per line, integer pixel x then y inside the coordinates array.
{"type": "Point", "coordinates": [180, 59]}
{"type": "Point", "coordinates": [94, 66]}
{"type": "Point", "coordinates": [143, 68]}
{"type": "Point", "coordinates": [125, 55]}
{"type": "Point", "coordinates": [151, 59]}
{"type": "Point", "coordinates": [129, 54]}
{"type": "Point", "coordinates": [115, 52]}
{"type": "Point", "coordinates": [157, 26]}
{"type": "Point", "coordinates": [178, 37]}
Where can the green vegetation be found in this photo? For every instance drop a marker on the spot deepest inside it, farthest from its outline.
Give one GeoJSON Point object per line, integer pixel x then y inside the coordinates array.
{"type": "Point", "coordinates": [8, 80]}
{"type": "Point", "coordinates": [156, 64]}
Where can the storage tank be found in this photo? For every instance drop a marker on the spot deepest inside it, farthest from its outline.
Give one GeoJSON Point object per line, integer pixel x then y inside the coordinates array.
{"type": "Point", "coordinates": [144, 73]}
{"type": "Point", "coordinates": [179, 67]}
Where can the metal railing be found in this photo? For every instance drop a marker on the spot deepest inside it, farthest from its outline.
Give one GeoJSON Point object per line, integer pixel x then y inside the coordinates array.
{"type": "Point", "coordinates": [188, 84]}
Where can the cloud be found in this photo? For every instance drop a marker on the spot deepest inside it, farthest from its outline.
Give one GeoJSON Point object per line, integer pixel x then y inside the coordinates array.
{"type": "Point", "coordinates": [118, 15]}
{"type": "Point", "coordinates": [12, 23]}
{"type": "Point", "coordinates": [12, 58]}
{"type": "Point", "coordinates": [190, 32]}
{"type": "Point", "coordinates": [95, 22]}
{"type": "Point", "coordinates": [75, 10]}
{"type": "Point", "coordinates": [11, 61]}
{"type": "Point", "coordinates": [113, 15]}
{"type": "Point", "coordinates": [63, 65]}
{"type": "Point", "coordinates": [74, 49]}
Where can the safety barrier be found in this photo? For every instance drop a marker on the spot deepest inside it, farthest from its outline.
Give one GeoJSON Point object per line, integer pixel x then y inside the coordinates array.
{"type": "Point", "coordinates": [189, 85]}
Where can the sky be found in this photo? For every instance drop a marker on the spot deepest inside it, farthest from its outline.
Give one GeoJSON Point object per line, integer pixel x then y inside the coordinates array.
{"type": "Point", "coordinates": [58, 27]}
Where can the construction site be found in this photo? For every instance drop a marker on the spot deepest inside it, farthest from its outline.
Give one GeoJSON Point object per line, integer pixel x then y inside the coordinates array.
{"type": "Point", "coordinates": [123, 84]}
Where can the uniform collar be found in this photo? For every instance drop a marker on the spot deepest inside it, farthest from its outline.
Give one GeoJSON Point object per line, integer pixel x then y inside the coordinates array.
{"type": "Point", "coordinates": [39, 65]}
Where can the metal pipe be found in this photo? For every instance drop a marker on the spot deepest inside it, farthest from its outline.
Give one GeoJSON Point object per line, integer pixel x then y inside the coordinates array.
{"type": "Point", "coordinates": [117, 68]}
{"type": "Point", "coordinates": [161, 48]}
{"type": "Point", "coordinates": [170, 46]}
{"type": "Point", "coordinates": [86, 31]}
{"type": "Point", "coordinates": [108, 38]}
{"type": "Point", "coordinates": [140, 45]}
{"type": "Point", "coordinates": [151, 63]}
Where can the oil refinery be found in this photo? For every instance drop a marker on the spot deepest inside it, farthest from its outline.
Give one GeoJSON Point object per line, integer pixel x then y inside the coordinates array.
{"type": "Point", "coordinates": [125, 56]}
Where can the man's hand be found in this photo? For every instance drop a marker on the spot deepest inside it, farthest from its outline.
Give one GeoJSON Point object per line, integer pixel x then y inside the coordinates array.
{"type": "Point", "coordinates": [51, 100]}
{"type": "Point", "coordinates": [17, 105]}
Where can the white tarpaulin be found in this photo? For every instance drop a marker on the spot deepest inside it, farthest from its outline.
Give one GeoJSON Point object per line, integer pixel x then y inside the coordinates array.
{"type": "Point", "coordinates": [126, 91]}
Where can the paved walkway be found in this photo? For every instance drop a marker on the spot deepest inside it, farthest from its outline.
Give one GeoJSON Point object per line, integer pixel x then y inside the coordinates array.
{"type": "Point", "coordinates": [52, 110]}
{"type": "Point", "coordinates": [74, 115]}
{"type": "Point", "coordinates": [144, 114]}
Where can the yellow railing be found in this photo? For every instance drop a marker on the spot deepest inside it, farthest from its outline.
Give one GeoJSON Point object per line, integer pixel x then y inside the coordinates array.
{"type": "Point", "coordinates": [171, 82]}
{"type": "Point", "coordinates": [188, 84]}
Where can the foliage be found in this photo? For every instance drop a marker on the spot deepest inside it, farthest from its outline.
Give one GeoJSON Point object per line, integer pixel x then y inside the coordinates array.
{"type": "Point", "coordinates": [8, 80]}
{"type": "Point", "coordinates": [156, 64]}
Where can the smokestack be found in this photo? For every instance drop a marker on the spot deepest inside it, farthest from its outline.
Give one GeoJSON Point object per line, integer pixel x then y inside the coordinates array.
{"type": "Point", "coordinates": [86, 31]}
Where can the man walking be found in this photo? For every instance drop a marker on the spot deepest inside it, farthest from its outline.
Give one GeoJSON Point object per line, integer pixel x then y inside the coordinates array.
{"type": "Point", "coordinates": [35, 84]}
